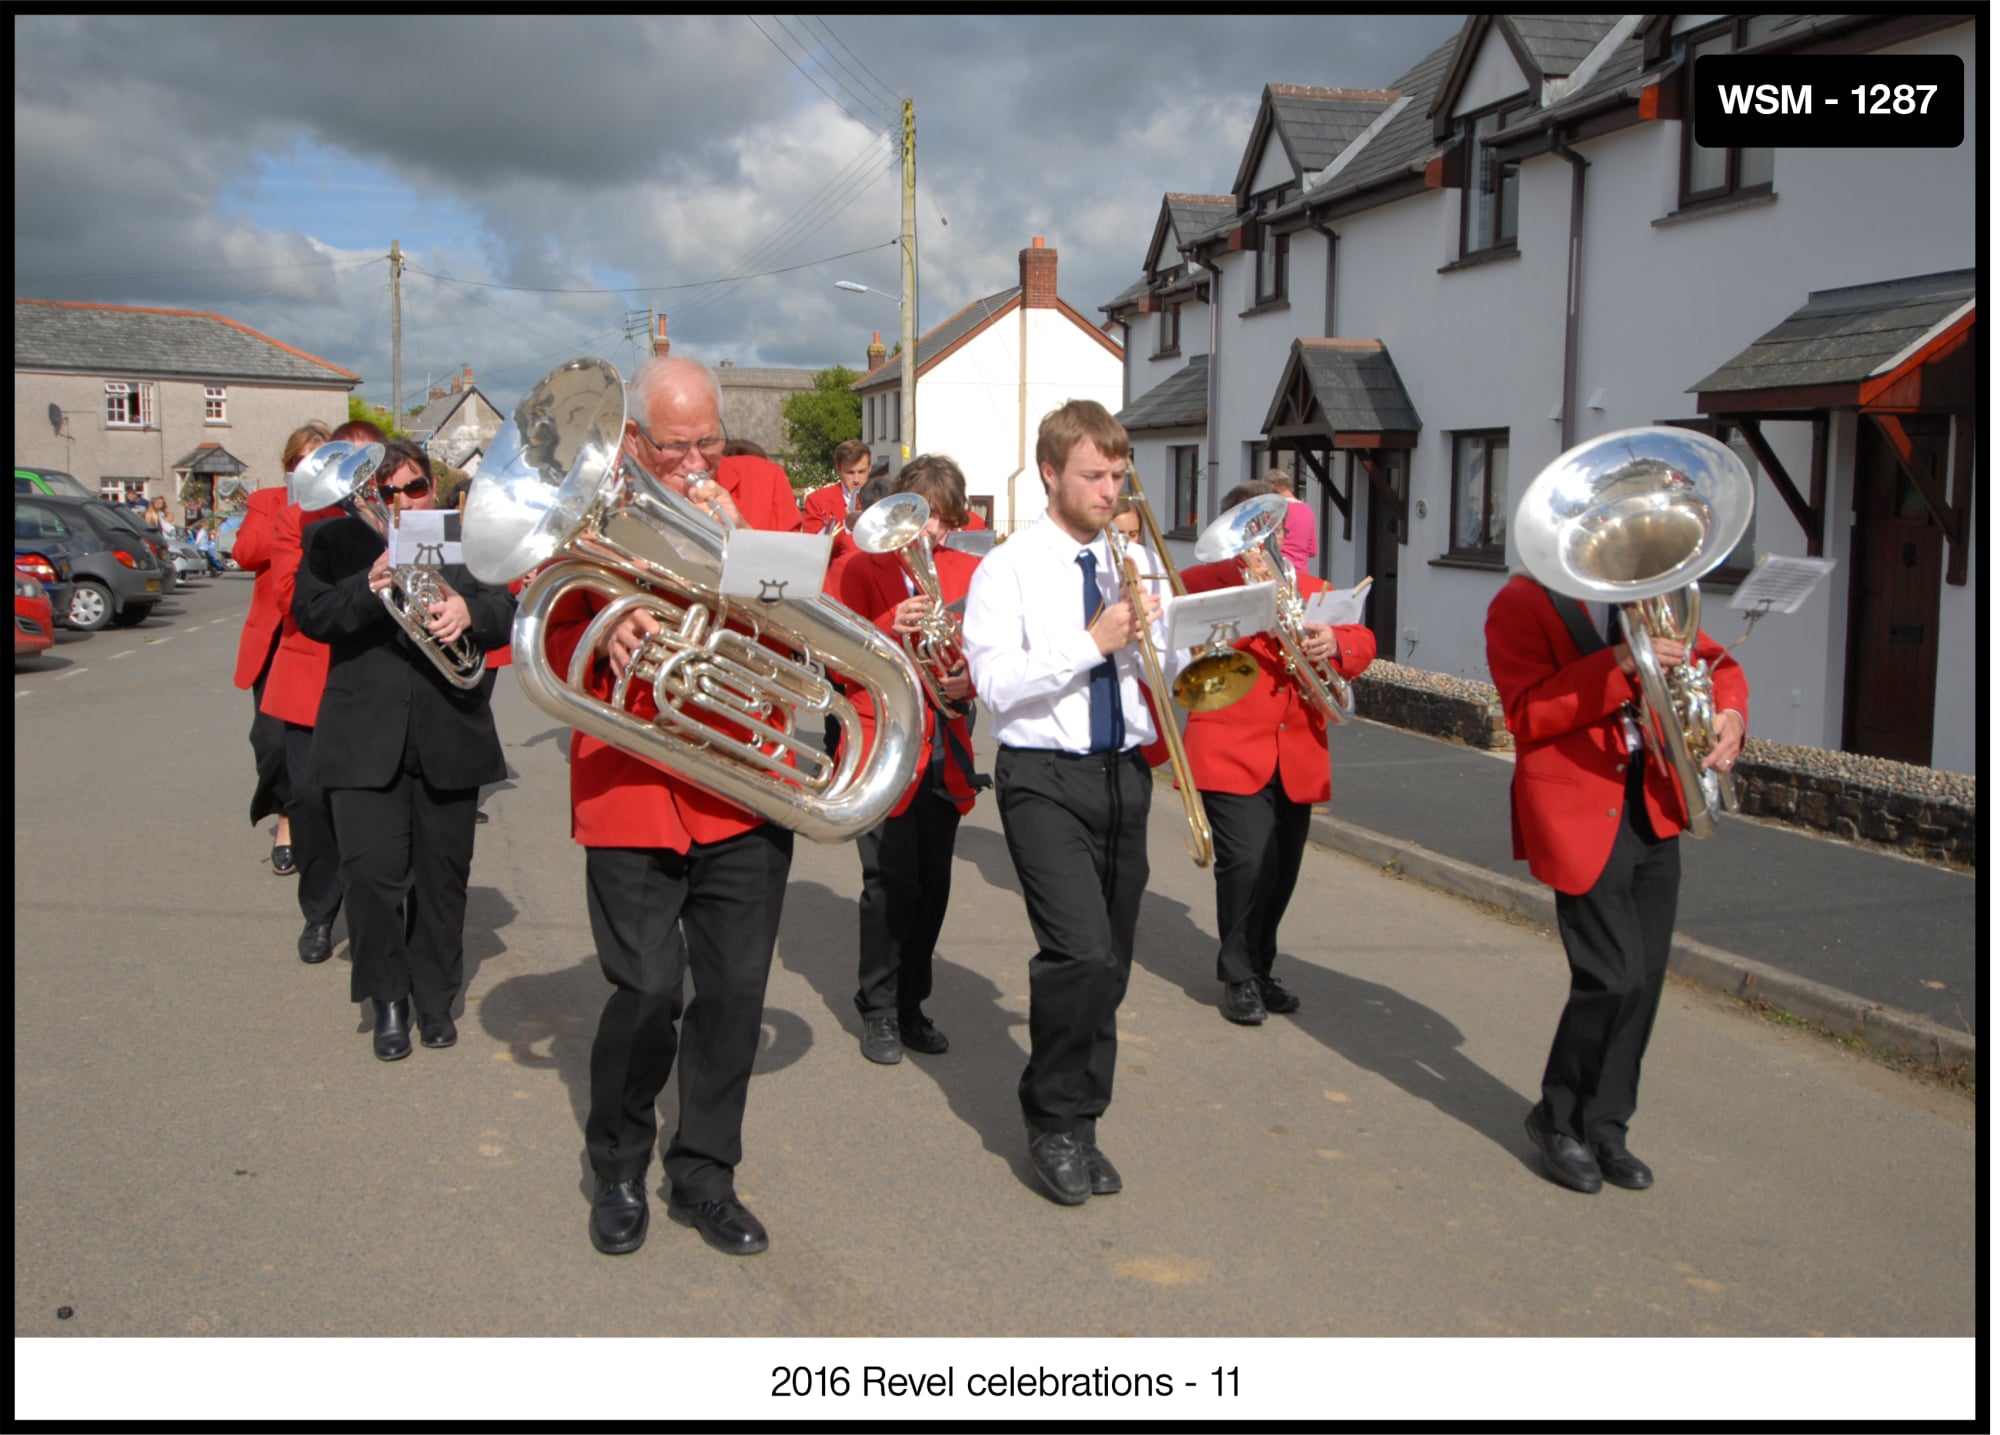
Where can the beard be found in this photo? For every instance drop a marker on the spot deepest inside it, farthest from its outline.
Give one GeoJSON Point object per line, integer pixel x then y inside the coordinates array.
{"type": "Point", "coordinates": [1075, 511]}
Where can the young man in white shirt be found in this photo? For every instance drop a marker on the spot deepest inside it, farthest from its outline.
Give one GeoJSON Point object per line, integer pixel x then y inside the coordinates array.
{"type": "Point", "coordinates": [1048, 635]}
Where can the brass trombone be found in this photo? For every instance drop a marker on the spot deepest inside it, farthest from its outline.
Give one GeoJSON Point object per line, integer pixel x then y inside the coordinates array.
{"type": "Point", "coordinates": [1219, 675]}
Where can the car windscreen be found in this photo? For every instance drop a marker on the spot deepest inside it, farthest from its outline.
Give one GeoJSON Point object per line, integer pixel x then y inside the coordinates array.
{"type": "Point", "coordinates": [124, 517]}
{"type": "Point", "coordinates": [31, 520]}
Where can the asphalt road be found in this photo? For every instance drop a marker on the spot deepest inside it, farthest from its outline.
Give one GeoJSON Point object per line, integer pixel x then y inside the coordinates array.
{"type": "Point", "coordinates": [204, 1144]}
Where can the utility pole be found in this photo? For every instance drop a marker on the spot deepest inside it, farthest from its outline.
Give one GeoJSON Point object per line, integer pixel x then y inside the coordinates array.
{"type": "Point", "coordinates": [909, 278]}
{"type": "Point", "coordinates": [396, 327]}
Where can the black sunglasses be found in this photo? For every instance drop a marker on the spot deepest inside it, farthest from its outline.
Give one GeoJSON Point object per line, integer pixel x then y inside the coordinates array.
{"type": "Point", "coordinates": [415, 488]}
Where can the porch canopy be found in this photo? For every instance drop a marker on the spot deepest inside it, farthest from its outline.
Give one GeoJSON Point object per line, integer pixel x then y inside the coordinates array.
{"type": "Point", "coordinates": [1881, 350]}
{"type": "Point", "coordinates": [212, 460]}
{"type": "Point", "coordinates": [1344, 394]}
{"type": "Point", "coordinates": [1178, 401]}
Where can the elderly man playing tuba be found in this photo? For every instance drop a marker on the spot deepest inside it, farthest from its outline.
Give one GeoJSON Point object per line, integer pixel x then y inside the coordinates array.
{"type": "Point", "coordinates": [676, 878]}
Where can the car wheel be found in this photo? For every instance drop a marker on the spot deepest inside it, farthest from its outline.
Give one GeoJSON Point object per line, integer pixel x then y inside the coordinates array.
{"type": "Point", "coordinates": [90, 605]}
{"type": "Point", "coordinates": [132, 614]}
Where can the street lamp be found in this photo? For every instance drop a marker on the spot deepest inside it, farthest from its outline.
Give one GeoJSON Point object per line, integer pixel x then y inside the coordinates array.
{"type": "Point", "coordinates": [909, 363]}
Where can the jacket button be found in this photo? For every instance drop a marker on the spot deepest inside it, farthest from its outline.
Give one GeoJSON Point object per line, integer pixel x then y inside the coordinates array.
{"type": "Point", "coordinates": [1619, 768]}
{"type": "Point", "coordinates": [1611, 812]}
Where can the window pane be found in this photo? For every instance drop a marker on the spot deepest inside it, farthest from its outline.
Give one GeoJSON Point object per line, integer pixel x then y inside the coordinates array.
{"type": "Point", "coordinates": [1496, 519]}
{"type": "Point", "coordinates": [1471, 473]}
{"type": "Point", "coordinates": [1510, 204]}
{"type": "Point", "coordinates": [1753, 166]}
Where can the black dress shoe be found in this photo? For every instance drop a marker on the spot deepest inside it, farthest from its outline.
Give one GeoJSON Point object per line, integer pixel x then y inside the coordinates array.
{"type": "Point", "coordinates": [1621, 1167]}
{"type": "Point", "coordinates": [1058, 1160]}
{"type": "Point", "coordinates": [392, 1029]}
{"type": "Point", "coordinates": [282, 861]}
{"type": "Point", "coordinates": [1243, 1004]}
{"type": "Point", "coordinates": [316, 943]}
{"type": "Point", "coordinates": [436, 1028]}
{"type": "Point", "coordinates": [1276, 998]}
{"type": "Point", "coordinates": [1567, 1160]}
{"type": "Point", "coordinates": [879, 1041]}
{"type": "Point", "coordinates": [618, 1216]}
{"type": "Point", "coordinates": [1104, 1178]}
{"type": "Point", "coordinates": [724, 1224]}
{"type": "Point", "coordinates": [920, 1033]}
{"type": "Point", "coordinates": [478, 817]}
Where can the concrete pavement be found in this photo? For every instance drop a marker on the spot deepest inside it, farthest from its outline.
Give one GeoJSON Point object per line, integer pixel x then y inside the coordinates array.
{"type": "Point", "coordinates": [205, 1145]}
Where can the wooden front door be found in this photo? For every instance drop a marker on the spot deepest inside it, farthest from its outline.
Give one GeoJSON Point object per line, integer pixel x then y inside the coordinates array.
{"type": "Point", "coordinates": [1892, 629]}
{"type": "Point", "coordinates": [1385, 551]}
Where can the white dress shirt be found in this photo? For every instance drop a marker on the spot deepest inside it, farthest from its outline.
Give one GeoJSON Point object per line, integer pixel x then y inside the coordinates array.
{"type": "Point", "coordinates": [1029, 651]}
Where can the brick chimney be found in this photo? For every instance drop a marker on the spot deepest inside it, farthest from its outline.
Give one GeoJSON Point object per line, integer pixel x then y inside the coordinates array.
{"type": "Point", "coordinates": [1038, 276]}
{"type": "Point", "coordinates": [468, 376]}
{"type": "Point", "coordinates": [436, 394]}
{"type": "Point", "coordinates": [660, 343]}
{"type": "Point", "coordinates": [457, 384]}
{"type": "Point", "coordinates": [877, 354]}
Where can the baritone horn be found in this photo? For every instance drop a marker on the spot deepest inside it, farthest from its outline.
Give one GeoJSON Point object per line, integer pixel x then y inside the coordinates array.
{"type": "Point", "coordinates": [737, 685]}
{"type": "Point", "coordinates": [1634, 518]}
{"type": "Point", "coordinates": [896, 525]}
{"type": "Point", "coordinates": [340, 475]}
{"type": "Point", "coordinates": [1218, 675]}
{"type": "Point", "coordinates": [1254, 524]}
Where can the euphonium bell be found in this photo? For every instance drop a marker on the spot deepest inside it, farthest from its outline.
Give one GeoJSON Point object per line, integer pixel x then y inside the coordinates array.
{"type": "Point", "coordinates": [896, 525]}
{"type": "Point", "coordinates": [1633, 518]}
{"type": "Point", "coordinates": [737, 686]}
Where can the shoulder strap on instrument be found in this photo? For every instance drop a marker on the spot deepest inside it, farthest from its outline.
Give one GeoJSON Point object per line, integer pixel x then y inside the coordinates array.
{"type": "Point", "coordinates": [1577, 621]}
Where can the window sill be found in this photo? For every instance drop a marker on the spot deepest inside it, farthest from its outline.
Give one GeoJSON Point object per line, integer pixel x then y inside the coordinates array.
{"type": "Point", "coordinates": [1702, 209]}
{"type": "Point", "coordinates": [1173, 353]}
{"type": "Point", "coordinates": [1469, 561]}
{"type": "Point", "coordinates": [1184, 533]}
{"type": "Point", "coordinates": [1483, 256]}
{"type": "Point", "coordinates": [1267, 306]}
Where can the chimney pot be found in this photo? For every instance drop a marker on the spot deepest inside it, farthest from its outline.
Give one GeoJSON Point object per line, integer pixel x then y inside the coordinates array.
{"type": "Point", "coordinates": [660, 342]}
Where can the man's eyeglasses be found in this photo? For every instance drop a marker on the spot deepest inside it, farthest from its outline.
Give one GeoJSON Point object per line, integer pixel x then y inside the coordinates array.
{"type": "Point", "coordinates": [675, 452]}
{"type": "Point", "coordinates": [415, 488]}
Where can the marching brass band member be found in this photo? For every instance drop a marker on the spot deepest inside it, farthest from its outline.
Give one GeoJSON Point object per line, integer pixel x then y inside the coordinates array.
{"type": "Point", "coordinates": [906, 859]}
{"type": "Point", "coordinates": [676, 879]}
{"type": "Point", "coordinates": [1048, 635]}
{"type": "Point", "coordinates": [1260, 763]}
{"type": "Point", "coordinates": [401, 753]}
{"type": "Point", "coordinates": [1597, 821]}
{"type": "Point", "coordinates": [833, 506]}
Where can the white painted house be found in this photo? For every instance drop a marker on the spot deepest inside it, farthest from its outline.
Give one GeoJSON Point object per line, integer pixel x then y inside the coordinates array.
{"type": "Point", "coordinates": [985, 378]}
{"type": "Point", "coordinates": [1386, 307]}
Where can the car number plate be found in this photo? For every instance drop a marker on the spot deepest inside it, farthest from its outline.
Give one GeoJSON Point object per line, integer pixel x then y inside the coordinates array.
{"type": "Point", "coordinates": [152, 585]}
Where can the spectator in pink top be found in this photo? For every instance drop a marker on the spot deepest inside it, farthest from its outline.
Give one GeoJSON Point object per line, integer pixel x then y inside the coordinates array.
{"type": "Point", "coordinates": [1301, 540]}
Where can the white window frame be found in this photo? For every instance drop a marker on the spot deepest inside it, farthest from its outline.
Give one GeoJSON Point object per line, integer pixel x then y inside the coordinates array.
{"type": "Point", "coordinates": [215, 405]}
{"type": "Point", "coordinates": [118, 404]}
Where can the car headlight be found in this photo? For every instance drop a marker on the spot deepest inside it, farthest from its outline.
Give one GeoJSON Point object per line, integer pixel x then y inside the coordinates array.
{"type": "Point", "coordinates": [26, 587]}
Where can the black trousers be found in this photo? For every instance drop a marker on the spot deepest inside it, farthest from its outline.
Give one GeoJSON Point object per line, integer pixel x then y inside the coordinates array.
{"type": "Point", "coordinates": [905, 892]}
{"type": "Point", "coordinates": [313, 844]}
{"type": "Point", "coordinates": [405, 860]}
{"type": "Point", "coordinates": [656, 915]}
{"type": "Point", "coordinates": [267, 745]}
{"type": "Point", "coordinates": [1617, 937]}
{"type": "Point", "coordinates": [1259, 842]}
{"type": "Point", "coordinates": [1076, 828]}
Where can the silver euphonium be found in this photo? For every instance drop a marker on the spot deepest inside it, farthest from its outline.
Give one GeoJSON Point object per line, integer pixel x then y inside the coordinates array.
{"type": "Point", "coordinates": [896, 525]}
{"type": "Point", "coordinates": [1259, 523]}
{"type": "Point", "coordinates": [1633, 518]}
{"type": "Point", "coordinates": [338, 475]}
{"type": "Point", "coordinates": [738, 685]}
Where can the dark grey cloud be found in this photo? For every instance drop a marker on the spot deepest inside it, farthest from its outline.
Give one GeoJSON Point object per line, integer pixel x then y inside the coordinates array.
{"type": "Point", "coordinates": [575, 151]}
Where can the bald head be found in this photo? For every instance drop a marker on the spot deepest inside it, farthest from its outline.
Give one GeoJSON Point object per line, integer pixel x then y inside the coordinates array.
{"type": "Point", "coordinates": [674, 421]}
{"type": "Point", "coordinates": [664, 386]}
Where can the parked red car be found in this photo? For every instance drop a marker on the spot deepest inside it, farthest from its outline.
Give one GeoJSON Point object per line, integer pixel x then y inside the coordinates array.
{"type": "Point", "coordinates": [34, 624]}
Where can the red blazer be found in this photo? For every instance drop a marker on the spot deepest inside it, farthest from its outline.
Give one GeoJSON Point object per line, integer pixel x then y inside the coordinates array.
{"type": "Point", "coordinates": [298, 668]}
{"type": "Point", "coordinates": [872, 585]}
{"type": "Point", "coordinates": [252, 553]}
{"type": "Point", "coordinates": [1569, 745]}
{"type": "Point", "coordinates": [1272, 728]}
{"type": "Point", "coordinates": [762, 492]}
{"type": "Point", "coordinates": [825, 506]}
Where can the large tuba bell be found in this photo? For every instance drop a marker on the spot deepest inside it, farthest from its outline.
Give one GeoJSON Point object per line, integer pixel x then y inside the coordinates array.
{"type": "Point", "coordinates": [339, 475]}
{"type": "Point", "coordinates": [557, 485]}
{"type": "Point", "coordinates": [1259, 523]}
{"type": "Point", "coordinates": [896, 525]}
{"type": "Point", "coordinates": [1634, 518]}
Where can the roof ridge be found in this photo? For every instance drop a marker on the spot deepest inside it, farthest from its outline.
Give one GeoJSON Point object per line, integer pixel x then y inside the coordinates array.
{"type": "Point", "coordinates": [1324, 92]}
{"type": "Point", "coordinates": [1228, 199]}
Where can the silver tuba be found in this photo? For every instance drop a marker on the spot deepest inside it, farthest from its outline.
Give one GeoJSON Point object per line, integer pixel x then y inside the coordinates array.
{"type": "Point", "coordinates": [1260, 522]}
{"type": "Point", "coordinates": [1633, 518]}
{"type": "Point", "coordinates": [339, 474]}
{"type": "Point", "coordinates": [557, 489]}
{"type": "Point", "coordinates": [896, 525]}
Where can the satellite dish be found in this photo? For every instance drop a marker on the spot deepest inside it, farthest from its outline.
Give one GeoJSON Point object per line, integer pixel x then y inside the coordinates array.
{"type": "Point", "coordinates": [55, 417]}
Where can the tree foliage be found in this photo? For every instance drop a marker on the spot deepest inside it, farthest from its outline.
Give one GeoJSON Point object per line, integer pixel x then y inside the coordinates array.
{"type": "Point", "coordinates": [818, 422]}
{"type": "Point", "coordinates": [360, 410]}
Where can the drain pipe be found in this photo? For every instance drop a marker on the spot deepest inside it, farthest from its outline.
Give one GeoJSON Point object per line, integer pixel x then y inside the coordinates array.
{"type": "Point", "coordinates": [1209, 502]}
{"type": "Point", "coordinates": [1578, 164]}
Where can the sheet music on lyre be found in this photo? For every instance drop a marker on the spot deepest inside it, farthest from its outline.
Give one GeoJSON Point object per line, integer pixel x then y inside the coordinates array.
{"type": "Point", "coordinates": [774, 567]}
{"type": "Point", "coordinates": [1338, 606]}
{"type": "Point", "coordinates": [425, 538]}
{"type": "Point", "coordinates": [1778, 583]}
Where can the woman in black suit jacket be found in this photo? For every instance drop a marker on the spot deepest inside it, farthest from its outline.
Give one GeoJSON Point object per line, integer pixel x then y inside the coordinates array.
{"type": "Point", "coordinates": [402, 754]}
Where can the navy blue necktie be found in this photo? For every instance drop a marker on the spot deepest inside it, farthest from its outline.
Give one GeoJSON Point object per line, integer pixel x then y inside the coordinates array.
{"type": "Point", "coordinates": [1107, 720]}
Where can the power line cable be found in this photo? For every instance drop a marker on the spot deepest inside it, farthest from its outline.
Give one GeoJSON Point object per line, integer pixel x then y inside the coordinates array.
{"type": "Point", "coordinates": [810, 44]}
{"type": "Point", "coordinates": [894, 98]}
{"type": "Point", "coordinates": [409, 268]}
{"type": "Point", "coordinates": [173, 273]}
{"type": "Point", "coordinates": [863, 119]}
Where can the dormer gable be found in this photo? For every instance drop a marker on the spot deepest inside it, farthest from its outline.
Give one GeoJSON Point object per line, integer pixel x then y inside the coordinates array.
{"type": "Point", "coordinates": [1491, 64]}
{"type": "Point", "coordinates": [1299, 131]}
{"type": "Point", "coordinates": [1182, 216]}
